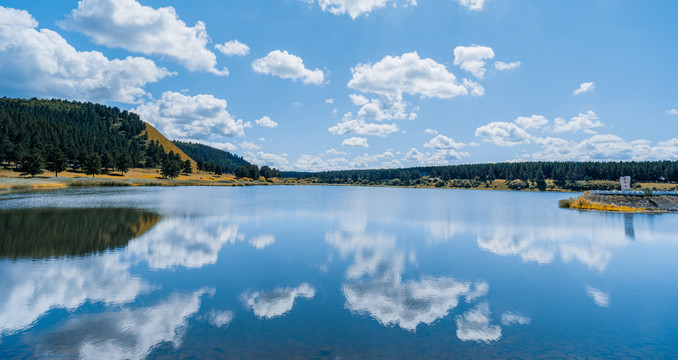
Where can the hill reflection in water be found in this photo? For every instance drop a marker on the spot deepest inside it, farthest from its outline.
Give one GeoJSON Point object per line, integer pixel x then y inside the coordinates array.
{"type": "Point", "coordinates": [44, 233]}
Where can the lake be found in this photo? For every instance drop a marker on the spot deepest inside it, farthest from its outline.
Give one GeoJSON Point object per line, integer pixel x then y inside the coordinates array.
{"type": "Point", "coordinates": [331, 273]}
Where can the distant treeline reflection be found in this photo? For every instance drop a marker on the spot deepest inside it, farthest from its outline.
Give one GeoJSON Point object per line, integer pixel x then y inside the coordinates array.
{"type": "Point", "coordinates": [41, 233]}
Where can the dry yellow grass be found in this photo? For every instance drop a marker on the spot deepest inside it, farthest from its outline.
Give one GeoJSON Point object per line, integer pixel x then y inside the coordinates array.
{"type": "Point", "coordinates": [582, 203]}
{"type": "Point", "coordinates": [154, 134]}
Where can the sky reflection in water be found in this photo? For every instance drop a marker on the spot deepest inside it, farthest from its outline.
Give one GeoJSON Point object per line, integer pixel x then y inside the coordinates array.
{"type": "Point", "coordinates": [333, 271]}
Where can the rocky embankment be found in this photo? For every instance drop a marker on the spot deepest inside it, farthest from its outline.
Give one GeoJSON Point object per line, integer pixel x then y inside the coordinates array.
{"type": "Point", "coordinates": [651, 203]}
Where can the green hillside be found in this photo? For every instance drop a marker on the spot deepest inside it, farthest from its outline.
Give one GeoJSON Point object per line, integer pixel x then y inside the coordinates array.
{"type": "Point", "coordinates": [205, 155]}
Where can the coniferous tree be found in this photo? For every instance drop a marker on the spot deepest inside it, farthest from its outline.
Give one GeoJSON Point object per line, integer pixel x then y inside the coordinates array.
{"type": "Point", "coordinates": [32, 163]}
{"type": "Point", "coordinates": [123, 162]}
{"type": "Point", "coordinates": [92, 165]}
{"type": "Point", "coordinates": [107, 162]}
{"type": "Point", "coordinates": [56, 161]}
{"type": "Point", "coordinates": [187, 168]}
{"type": "Point", "coordinates": [170, 168]}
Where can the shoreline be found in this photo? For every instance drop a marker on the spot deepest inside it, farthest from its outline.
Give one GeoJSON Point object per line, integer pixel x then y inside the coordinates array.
{"type": "Point", "coordinates": [11, 182]}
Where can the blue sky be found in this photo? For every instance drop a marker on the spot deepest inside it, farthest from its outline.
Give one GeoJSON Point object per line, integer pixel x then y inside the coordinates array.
{"type": "Point", "coordinates": [341, 84]}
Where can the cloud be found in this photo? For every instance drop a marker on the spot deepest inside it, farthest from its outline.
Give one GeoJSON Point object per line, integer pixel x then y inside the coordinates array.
{"type": "Point", "coordinates": [599, 297]}
{"type": "Point", "coordinates": [124, 334]}
{"type": "Point", "coordinates": [443, 142]}
{"type": "Point", "coordinates": [472, 58]}
{"type": "Point", "coordinates": [31, 289]}
{"type": "Point", "coordinates": [474, 325]}
{"type": "Point", "coordinates": [366, 160]}
{"type": "Point", "coordinates": [503, 134]}
{"type": "Point", "coordinates": [262, 241]}
{"type": "Point", "coordinates": [360, 127]}
{"type": "Point", "coordinates": [335, 152]}
{"type": "Point", "coordinates": [584, 122]}
{"type": "Point", "coordinates": [270, 304]}
{"type": "Point", "coordinates": [506, 66]}
{"type": "Point", "coordinates": [355, 142]}
{"type": "Point", "coordinates": [201, 116]}
{"type": "Point", "coordinates": [188, 243]}
{"type": "Point", "coordinates": [475, 5]}
{"type": "Point", "coordinates": [220, 318]}
{"type": "Point", "coordinates": [431, 131]}
{"type": "Point", "coordinates": [287, 66]}
{"type": "Point", "coordinates": [329, 101]}
{"type": "Point", "coordinates": [129, 25]}
{"type": "Point", "coordinates": [584, 88]}
{"type": "Point", "coordinates": [384, 296]}
{"type": "Point", "coordinates": [357, 8]}
{"type": "Point", "coordinates": [41, 62]}
{"type": "Point", "coordinates": [247, 145]}
{"type": "Point", "coordinates": [406, 304]}
{"type": "Point", "coordinates": [476, 89]}
{"type": "Point", "coordinates": [672, 112]}
{"type": "Point", "coordinates": [233, 47]}
{"type": "Point", "coordinates": [266, 122]}
{"type": "Point", "coordinates": [510, 318]}
{"type": "Point", "coordinates": [395, 75]}
{"type": "Point", "coordinates": [261, 158]}
{"type": "Point", "coordinates": [382, 108]}
{"type": "Point", "coordinates": [532, 122]}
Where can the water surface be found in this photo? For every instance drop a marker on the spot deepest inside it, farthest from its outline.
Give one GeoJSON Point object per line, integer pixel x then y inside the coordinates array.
{"type": "Point", "coordinates": [331, 272]}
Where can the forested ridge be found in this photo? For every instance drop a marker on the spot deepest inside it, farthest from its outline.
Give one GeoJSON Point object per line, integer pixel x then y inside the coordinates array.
{"type": "Point", "coordinates": [209, 158]}
{"type": "Point", "coordinates": [58, 134]}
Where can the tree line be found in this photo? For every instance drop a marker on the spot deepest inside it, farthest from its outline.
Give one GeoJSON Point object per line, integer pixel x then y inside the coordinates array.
{"type": "Point", "coordinates": [565, 174]}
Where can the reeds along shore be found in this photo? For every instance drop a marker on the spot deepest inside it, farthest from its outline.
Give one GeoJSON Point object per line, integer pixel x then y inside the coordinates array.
{"type": "Point", "coordinates": [629, 203]}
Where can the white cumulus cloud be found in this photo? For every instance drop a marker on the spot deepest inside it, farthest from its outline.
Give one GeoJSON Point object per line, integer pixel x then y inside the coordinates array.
{"type": "Point", "coordinates": [475, 5]}
{"type": "Point", "coordinates": [356, 8]}
{"type": "Point", "coordinates": [129, 25]}
{"type": "Point", "coordinates": [360, 127]}
{"type": "Point", "coordinates": [41, 62]}
{"type": "Point", "coordinates": [180, 116]}
{"type": "Point", "coordinates": [355, 142]}
{"type": "Point", "coordinates": [532, 122]}
{"type": "Point", "coordinates": [443, 142]}
{"type": "Point", "coordinates": [584, 88]}
{"type": "Point", "coordinates": [266, 122]}
{"type": "Point", "coordinates": [287, 66]}
{"type": "Point", "coordinates": [672, 112]}
{"type": "Point", "coordinates": [393, 76]}
{"type": "Point", "coordinates": [261, 158]}
{"type": "Point", "coordinates": [503, 134]}
{"type": "Point", "coordinates": [233, 47]}
{"type": "Point", "coordinates": [472, 58]}
{"type": "Point", "coordinates": [584, 122]}
{"type": "Point", "coordinates": [506, 66]}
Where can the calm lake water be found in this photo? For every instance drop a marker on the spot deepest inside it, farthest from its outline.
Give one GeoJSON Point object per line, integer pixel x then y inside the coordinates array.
{"type": "Point", "coordinates": [331, 273]}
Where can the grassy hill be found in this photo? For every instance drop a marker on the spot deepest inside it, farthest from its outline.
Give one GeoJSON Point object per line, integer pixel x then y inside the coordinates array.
{"type": "Point", "coordinates": [153, 134]}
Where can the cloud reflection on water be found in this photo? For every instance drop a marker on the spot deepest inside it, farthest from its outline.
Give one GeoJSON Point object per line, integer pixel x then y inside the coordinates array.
{"type": "Point", "coordinates": [277, 302]}
{"type": "Point", "coordinates": [31, 289]}
{"type": "Point", "coordinates": [124, 334]}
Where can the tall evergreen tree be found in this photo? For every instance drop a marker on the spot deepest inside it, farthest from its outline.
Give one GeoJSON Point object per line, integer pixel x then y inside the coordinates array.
{"type": "Point", "coordinates": [33, 162]}
{"type": "Point", "coordinates": [92, 165]}
{"type": "Point", "coordinates": [56, 161]}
